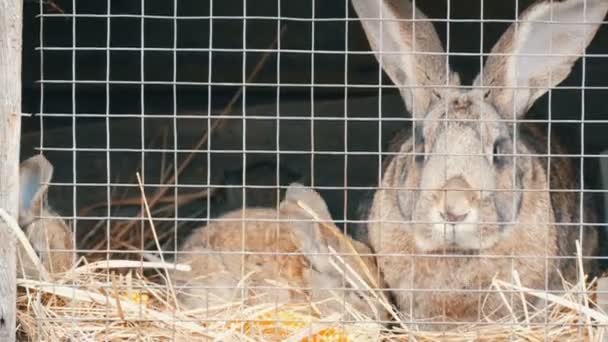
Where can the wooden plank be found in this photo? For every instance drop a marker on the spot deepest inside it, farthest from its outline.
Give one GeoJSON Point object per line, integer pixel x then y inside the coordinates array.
{"type": "Point", "coordinates": [10, 131]}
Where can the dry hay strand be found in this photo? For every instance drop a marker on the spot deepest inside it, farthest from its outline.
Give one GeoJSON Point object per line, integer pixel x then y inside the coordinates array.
{"type": "Point", "coordinates": [96, 302]}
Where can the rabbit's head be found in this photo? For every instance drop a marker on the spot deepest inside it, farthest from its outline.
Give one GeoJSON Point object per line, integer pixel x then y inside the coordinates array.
{"type": "Point", "coordinates": [48, 233]}
{"type": "Point", "coordinates": [464, 166]}
{"type": "Point", "coordinates": [332, 282]}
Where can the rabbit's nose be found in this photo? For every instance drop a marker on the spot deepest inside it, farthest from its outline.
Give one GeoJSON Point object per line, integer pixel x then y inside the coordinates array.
{"type": "Point", "coordinates": [456, 200]}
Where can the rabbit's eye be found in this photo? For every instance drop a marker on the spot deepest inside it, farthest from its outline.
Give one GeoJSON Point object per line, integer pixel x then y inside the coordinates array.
{"type": "Point", "coordinates": [498, 153]}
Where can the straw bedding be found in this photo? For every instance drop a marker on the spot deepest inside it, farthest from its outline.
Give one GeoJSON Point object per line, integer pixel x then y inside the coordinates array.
{"type": "Point", "coordinates": [125, 300]}
{"type": "Point", "coordinates": [113, 301]}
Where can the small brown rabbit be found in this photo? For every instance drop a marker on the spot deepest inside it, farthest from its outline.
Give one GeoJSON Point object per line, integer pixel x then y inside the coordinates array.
{"type": "Point", "coordinates": [465, 197]}
{"type": "Point", "coordinates": [286, 259]}
{"type": "Point", "coordinates": [49, 235]}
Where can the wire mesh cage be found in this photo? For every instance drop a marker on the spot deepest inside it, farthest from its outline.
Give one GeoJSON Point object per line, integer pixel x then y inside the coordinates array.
{"type": "Point", "coordinates": [348, 170]}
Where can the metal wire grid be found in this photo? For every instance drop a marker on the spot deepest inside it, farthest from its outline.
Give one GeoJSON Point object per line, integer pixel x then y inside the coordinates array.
{"type": "Point", "coordinates": [143, 150]}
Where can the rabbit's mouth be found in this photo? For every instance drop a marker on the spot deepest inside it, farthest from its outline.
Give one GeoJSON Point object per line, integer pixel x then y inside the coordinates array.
{"type": "Point", "coordinates": [453, 249]}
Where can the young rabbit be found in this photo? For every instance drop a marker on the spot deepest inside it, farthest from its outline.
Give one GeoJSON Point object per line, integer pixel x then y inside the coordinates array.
{"type": "Point", "coordinates": [465, 198]}
{"type": "Point", "coordinates": [281, 263]}
{"type": "Point", "coordinates": [47, 232]}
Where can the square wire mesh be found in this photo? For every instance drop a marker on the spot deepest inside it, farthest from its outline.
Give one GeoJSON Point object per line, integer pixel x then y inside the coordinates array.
{"type": "Point", "coordinates": [178, 129]}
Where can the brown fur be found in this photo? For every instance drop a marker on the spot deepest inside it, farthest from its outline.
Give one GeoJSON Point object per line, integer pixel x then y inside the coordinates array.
{"type": "Point", "coordinates": [52, 240]}
{"type": "Point", "coordinates": [475, 205]}
{"type": "Point", "coordinates": [468, 272]}
{"type": "Point", "coordinates": [49, 235]}
{"type": "Point", "coordinates": [456, 272]}
{"type": "Point", "coordinates": [274, 244]}
{"type": "Point", "coordinates": [566, 204]}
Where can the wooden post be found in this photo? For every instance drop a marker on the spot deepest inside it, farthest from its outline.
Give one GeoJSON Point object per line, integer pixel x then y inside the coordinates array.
{"type": "Point", "coordinates": [11, 12]}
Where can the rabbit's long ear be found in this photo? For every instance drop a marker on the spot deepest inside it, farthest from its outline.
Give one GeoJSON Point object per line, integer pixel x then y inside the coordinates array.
{"type": "Point", "coordinates": [538, 52]}
{"type": "Point", "coordinates": [296, 192]}
{"type": "Point", "coordinates": [306, 229]}
{"type": "Point", "coordinates": [408, 48]}
{"type": "Point", "coordinates": [34, 175]}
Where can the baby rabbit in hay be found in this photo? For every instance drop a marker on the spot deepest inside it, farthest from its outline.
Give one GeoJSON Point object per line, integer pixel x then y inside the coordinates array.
{"type": "Point", "coordinates": [466, 182]}
{"type": "Point", "coordinates": [286, 260]}
{"type": "Point", "coordinates": [47, 232]}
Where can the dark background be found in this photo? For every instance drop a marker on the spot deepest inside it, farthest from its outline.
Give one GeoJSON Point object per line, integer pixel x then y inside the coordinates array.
{"type": "Point", "coordinates": [186, 103]}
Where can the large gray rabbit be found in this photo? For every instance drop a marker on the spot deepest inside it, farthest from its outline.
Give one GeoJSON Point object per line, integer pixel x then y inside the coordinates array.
{"type": "Point", "coordinates": [466, 197]}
